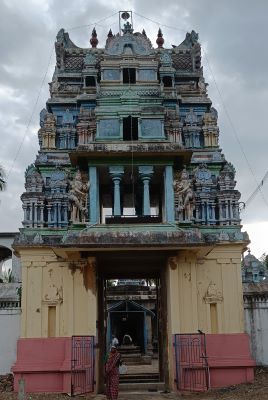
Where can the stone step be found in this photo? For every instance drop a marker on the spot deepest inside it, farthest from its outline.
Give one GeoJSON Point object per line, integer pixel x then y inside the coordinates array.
{"type": "Point", "coordinates": [128, 355]}
{"type": "Point", "coordinates": [134, 360]}
{"type": "Point", "coordinates": [137, 362]}
{"type": "Point", "coordinates": [130, 350]}
{"type": "Point", "coordinates": [137, 387]}
{"type": "Point", "coordinates": [140, 378]}
{"type": "Point", "coordinates": [138, 374]}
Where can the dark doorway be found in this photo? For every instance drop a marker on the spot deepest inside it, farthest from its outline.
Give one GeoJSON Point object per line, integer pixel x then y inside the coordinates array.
{"type": "Point", "coordinates": [167, 81]}
{"type": "Point", "coordinates": [90, 81]}
{"type": "Point", "coordinates": [130, 128]}
{"type": "Point", "coordinates": [129, 75]}
{"type": "Point", "coordinates": [129, 323]}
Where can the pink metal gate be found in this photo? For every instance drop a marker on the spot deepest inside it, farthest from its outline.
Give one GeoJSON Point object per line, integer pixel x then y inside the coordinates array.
{"type": "Point", "coordinates": [192, 371]}
{"type": "Point", "coordinates": [83, 365]}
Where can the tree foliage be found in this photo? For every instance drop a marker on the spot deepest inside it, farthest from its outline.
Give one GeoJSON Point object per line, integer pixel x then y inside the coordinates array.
{"type": "Point", "coordinates": [264, 260]}
{"type": "Point", "coordinates": [7, 277]}
{"type": "Point", "coordinates": [2, 179]}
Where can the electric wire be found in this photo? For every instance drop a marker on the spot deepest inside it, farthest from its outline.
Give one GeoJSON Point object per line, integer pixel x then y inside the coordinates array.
{"type": "Point", "coordinates": [253, 195]}
{"type": "Point", "coordinates": [39, 94]}
{"type": "Point", "coordinates": [31, 116]}
{"type": "Point", "coordinates": [159, 23]}
{"type": "Point", "coordinates": [223, 103]}
{"type": "Point", "coordinates": [234, 131]}
{"type": "Point", "coordinates": [93, 23]}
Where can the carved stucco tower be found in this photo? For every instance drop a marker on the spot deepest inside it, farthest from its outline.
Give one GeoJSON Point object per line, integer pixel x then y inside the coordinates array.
{"type": "Point", "coordinates": [129, 180]}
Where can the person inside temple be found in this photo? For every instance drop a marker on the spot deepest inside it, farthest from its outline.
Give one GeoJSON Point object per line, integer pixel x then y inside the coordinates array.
{"type": "Point", "coordinates": [115, 341]}
{"type": "Point", "coordinates": [127, 340]}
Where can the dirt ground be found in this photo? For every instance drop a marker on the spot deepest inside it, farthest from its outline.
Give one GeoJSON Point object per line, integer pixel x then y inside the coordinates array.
{"type": "Point", "coordinates": [256, 391]}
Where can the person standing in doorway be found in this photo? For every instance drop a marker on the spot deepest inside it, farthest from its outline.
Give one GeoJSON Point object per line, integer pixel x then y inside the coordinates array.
{"type": "Point", "coordinates": [115, 341]}
{"type": "Point", "coordinates": [112, 374]}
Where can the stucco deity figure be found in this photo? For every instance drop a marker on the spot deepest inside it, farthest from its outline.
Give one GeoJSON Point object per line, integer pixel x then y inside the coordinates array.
{"type": "Point", "coordinates": [78, 199]}
{"type": "Point", "coordinates": [184, 196]}
{"type": "Point", "coordinates": [202, 85]}
{"type": "Point", "coordinates": [54, 87]}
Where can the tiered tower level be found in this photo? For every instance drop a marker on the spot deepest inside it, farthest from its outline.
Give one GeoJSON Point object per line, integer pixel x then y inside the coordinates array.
{"type": "Point", "coordinates": [129, 137]}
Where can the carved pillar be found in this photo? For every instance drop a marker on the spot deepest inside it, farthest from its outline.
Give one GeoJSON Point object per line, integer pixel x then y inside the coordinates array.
{"type": "Point", "coordinates": [206, 139]}
{"type": "Point", "coordinates": [146, 173]}
{"type": "Point", "coordinates": [236, 212]}
{"type": "Point", "coordinates": [58, 205]}
{"type": "Point", "coordinates": [220, 211]}
{"type": "Point", "coordinates": [121, 128]}
{"type": "Point", "coordinates": [42, 214]}
{"type": "Point", "coordinates": [98, 129]}
{"type": "Point", "coordinates": [139, 127]}
{"type": "Point", "coordinates": [203, 212]}
{"type": "Point", "coordinates": [116, 173]}
{"type": "Point", "coordinates": [231, 212]}
{"type": "Point", "coordinates": [52, 142]}
{"type": "Point", "coordinates": [53, 214]}
{"type": "Point", "coordinates": [29, 214]}
{"type": "Point", "coordinates": [34, 214]}
{"type": "Point", "coordinates": [93, 195]}
{"type": "Point", "coordinates": [169, 194]}
{"type": "Point", "coordinates": [227, 211]}
{"type": "Point", "coordinates": [197, 211]}
{"type": "Point", "coordinates": [215, 138]}
{"type": "Point", "coordinates": [24, 207]}
{"type": "Point", "coordinates": [213, 213]}
{"type": "Point", "coordinates": [49, 214]}
{"type": "Point", "coordinates": [65, 213]}
{"type": "Point", "coordinates": [207, 219]}
{"type": "Point", "coordinates": [72, 133]}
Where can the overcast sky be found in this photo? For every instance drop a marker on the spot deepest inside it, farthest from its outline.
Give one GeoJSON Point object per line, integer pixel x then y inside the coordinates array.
{"type": "Point", "coordinates": [233, 35]}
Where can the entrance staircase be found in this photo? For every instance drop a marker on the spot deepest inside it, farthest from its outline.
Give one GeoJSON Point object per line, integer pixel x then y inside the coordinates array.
{"type": "Point", "coordinates": [131, 355]}
{"type": "Point", "coordinates": [141, 382]}
{"type": "Point", "coordinates": [141, 374]}
{"type": "Point", "coordinates": [148, 382]}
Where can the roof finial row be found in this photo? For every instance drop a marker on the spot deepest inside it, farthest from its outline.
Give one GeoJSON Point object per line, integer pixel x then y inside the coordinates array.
{"type": "Point", "coordinates": [127, 29]}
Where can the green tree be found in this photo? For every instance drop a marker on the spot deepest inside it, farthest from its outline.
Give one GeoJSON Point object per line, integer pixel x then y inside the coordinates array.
{"type": "Point", "coordinates": [7, 276]}
{"type": "Point", "coordinates": [264, 260]}
{"type": "Point", "coordinates": [2, 179]}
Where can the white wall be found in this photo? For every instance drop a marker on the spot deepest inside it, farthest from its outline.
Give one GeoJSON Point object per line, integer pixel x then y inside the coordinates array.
{"type": "Point", "coordinates": [256, 325]}
{"type": "Point", "coordinates": [6, 240]}
{"type": "Point", "coordinates": [9, 334]}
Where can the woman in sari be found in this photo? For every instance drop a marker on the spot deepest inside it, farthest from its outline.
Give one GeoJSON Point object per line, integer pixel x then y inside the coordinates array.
{"type": "Point", "coordinates": [112, 374]}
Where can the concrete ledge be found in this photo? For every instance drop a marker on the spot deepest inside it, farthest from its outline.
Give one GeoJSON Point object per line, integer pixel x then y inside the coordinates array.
{"type": "Point", "coordinates": [44, 364]}
{"type": "Point", "coordinates": [229, 359]}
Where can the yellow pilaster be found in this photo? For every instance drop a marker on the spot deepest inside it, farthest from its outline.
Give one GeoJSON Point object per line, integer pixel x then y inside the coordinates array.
{"type": "Point", "coordinates": [206, 293]}
{"type": "Point", "coordinates": [58, 295]}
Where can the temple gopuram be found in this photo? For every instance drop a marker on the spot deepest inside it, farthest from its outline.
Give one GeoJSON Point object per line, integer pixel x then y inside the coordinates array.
{"type": "Point", "coordinates": [130, 183]}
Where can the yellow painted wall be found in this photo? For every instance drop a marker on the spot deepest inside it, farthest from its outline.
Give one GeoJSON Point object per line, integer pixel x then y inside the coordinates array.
{"type": "Point", "coordinates": [204, 292]}
{"type": "Point", "coordinates": [69, 286]}
{"type": "Point", "coordinates": [194, 283]}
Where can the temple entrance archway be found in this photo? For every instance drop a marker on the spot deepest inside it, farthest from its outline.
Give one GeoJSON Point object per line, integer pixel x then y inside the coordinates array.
{"type": "Point", "coordinates": [124, 312]}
